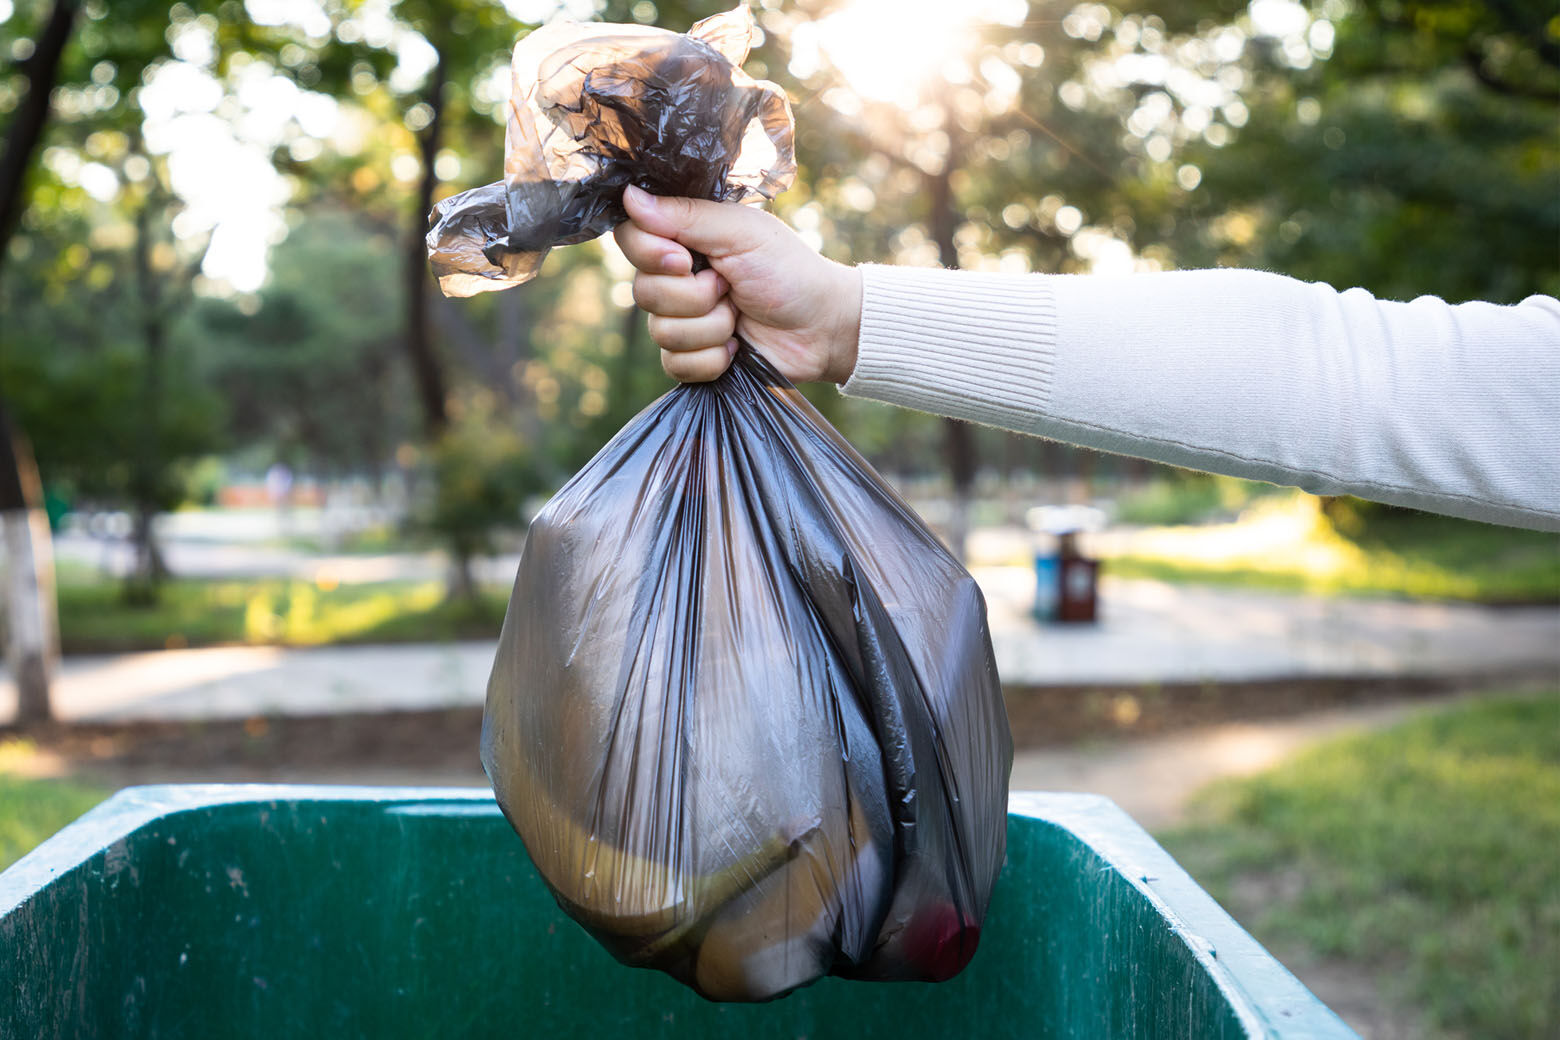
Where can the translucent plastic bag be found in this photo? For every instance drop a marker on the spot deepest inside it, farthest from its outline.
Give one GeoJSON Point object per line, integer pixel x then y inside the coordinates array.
{"type": "Point", "coordinates": [595, 107]}
{"type": "Point", "coordinates": [744, 711]}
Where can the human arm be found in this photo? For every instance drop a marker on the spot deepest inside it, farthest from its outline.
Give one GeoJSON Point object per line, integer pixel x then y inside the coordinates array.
{"type": "Point", "coordinates": [1454, 409]}
{"type": "Point", "coordinates": [1450, 408]}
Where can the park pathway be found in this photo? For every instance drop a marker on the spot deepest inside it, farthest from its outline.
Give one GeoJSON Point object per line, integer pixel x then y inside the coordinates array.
{"type": "Point", "coordinates": [1150, 633]}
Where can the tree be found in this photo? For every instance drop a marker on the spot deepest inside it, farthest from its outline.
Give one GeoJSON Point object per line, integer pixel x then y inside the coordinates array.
{"type": "Point", "coordinates": [29, 607]}
{"type": "Point", "coordinates": [306, 371]}
{"type": "Point", "coordinates": [31, 637]}
{"type": "Point", "coordinates": [1417, 149]}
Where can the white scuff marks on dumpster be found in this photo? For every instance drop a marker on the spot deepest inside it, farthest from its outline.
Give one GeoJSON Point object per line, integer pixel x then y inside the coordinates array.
{"type": "Point", "coordinates": [116, 861]}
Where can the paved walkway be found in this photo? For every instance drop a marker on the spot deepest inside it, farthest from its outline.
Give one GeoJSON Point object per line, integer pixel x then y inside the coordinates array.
{"type": "Point", "coordinates": [1150, 632]}
{"type": "Point", "coordinates": [1154, 632]}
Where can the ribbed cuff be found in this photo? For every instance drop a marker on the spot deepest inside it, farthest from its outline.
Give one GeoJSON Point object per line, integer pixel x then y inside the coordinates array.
{"type": "Point", "coordinates": [969, 344]}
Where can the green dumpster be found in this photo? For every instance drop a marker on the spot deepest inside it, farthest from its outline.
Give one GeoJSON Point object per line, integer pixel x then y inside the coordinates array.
{"type": "Point", "coordinates": [283, 911]}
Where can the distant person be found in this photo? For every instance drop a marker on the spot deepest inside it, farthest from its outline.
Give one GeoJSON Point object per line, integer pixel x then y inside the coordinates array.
{"type": "Point", "coordinates": [278, 488]}
{"type": "Point", "coordinates": [278, 485]}
{"type": "Point", "coordinates": [1452, 409]}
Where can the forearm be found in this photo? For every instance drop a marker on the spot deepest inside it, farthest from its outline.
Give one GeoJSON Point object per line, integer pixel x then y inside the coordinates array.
{"type": "Point", "coordinates": [1451, 409]}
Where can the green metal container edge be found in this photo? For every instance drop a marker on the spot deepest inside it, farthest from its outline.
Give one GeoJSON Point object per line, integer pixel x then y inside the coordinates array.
{"type": "Point", "coordinates": [1266, 997]}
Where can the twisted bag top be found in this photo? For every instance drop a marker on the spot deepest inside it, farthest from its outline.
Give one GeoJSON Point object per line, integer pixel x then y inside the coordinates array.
{"type": "Point", "coordinates": [596, 107]}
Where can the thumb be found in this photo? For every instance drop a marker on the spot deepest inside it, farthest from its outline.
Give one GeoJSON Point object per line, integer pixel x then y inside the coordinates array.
{"type": "Point", "coordinates": [715, 229]}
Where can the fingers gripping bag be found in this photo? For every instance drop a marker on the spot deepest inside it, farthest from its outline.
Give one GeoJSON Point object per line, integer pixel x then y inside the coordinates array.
{"type": "Point", "coordinates": [744, 712]}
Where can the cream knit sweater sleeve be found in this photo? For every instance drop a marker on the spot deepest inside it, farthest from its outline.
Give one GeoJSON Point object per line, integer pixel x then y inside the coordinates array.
{"type": "Point", "coordinates": [1454, 409]}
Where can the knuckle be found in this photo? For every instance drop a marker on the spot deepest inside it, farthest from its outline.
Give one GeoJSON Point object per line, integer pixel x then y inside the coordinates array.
{"type": "Point", "coordinates": [698, 367]}
{"type": "Point", "coordinates": [644, 294]}
{"type": "Point", "coordinates": [660, 331]}
{"type": "Point", "coordinates": [679, 209]}
{"type": "Point", "coordinates": [710, 294]}
{"type": "Point", "coordinates": [627, 237]}
{"type": "Point", "coordinates": [681, 367]}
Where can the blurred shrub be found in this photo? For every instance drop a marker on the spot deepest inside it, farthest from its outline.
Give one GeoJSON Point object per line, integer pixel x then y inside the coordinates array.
{"type": "Point", "coordinates": [483, 472]}
{"type": "Point", "coordinates": [1189, 498]}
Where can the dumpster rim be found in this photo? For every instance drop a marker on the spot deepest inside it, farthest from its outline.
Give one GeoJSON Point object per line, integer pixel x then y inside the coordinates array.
{"type": "Point", "coordinates": [1239, 966]}
{"type": "Point", "coordinates": [127, 810]}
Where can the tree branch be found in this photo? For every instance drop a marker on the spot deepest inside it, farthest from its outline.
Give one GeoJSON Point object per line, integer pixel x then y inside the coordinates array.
{"type": "Point", "coordinates": [1475, 62]}
{"type": "Point", "coordinates": [43, 69]}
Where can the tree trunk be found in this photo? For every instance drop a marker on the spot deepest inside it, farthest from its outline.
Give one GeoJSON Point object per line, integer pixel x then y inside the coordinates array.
{"type": "Point", "coordinates": [148, 571]}
{"type": "Point", "coordinates": [32, 114]}
{"type": "Point", "coordinates": [31, 639]}
{"type": "Point", "coordinates": [958, 437]}
{"type": "Point", "coordinates": [462, 587]}
{"type": "Point", "coordinates": [419, 337]}
{"type": "Point", "coordinates": [31, 629]}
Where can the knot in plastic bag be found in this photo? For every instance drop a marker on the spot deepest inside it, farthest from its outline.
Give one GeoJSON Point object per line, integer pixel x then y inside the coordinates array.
{"type": "Point", "coordinates": [597, 107]}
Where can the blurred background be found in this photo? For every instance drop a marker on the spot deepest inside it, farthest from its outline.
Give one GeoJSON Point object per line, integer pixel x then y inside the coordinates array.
{"type": "Point", "coordinates": [264, 488]}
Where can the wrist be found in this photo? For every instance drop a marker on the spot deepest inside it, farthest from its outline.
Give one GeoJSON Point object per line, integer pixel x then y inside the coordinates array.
{"type": "Point", "coordinates": [846, 333]}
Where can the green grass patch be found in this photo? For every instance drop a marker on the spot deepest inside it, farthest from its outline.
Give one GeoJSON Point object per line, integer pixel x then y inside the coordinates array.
{"type": "Point", "coordinates": [1427, 856]}
{"type": "Point", "coordinates": [370, 541]}
{"type": "Point", "coordinates": [32, 810]}
{"type": "Point", "coordinates": [95, 617]}
{"type": "Point", "coordinates": [1286, 544]}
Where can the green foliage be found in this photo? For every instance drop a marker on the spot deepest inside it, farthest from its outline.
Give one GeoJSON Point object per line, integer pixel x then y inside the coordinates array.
{"type": "Point", "coordinates": [1423, 856]}
{"type": "Point", "coordinates": [1419, 158]}
{"type": "Point", "coordinates": [483, 473]}
{"type": "Point", "coordinates": [1186, 497]}
{"type": "Point", "coordinates": [32, 810]}
{"type": "Point", "coordinates": [75, 372]}
{"type": "Point", "coordinates": [95, 618]}
{"type": "Point", "coordinates": [312, 370]}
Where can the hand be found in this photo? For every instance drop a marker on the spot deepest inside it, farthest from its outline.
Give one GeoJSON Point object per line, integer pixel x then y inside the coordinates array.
{"type": "Point", "coordinates": [799, 310]}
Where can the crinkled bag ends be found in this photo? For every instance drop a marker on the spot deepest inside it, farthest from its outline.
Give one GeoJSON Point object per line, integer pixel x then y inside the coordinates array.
{"type": "Point", "coordinates": [596, 107]}
{"type": "Point", "coordinates": [744, 712]}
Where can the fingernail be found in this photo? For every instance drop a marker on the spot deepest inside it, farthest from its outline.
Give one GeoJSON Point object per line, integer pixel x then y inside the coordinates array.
{"type": "Point", "coordinates": [722, 287]}
{"type": "Point", "coordinates": [731, 348]}
{"type": "Point", "coordinates": [641, 197]}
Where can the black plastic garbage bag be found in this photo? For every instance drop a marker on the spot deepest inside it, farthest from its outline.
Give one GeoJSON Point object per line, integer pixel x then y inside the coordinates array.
{"type": "Point", "coordinates": [595, 107]}
{"type": "Point", "coordinates": [744, 711]}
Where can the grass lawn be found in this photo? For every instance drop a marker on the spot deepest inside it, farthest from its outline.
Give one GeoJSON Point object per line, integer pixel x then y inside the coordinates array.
{"type": "Point", "coordinates": [1282, 543]}
{"type": "Point", "coordinates": [94, 616]}
{"type": "Point", "coordinates": [1426, 856]}
{"type": "Point", "coordinates": [32, 810]}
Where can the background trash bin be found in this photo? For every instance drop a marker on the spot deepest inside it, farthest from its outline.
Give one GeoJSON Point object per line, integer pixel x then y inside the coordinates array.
{"type": "Point", "coordinates": [1048, 586]}
{"type": "Point", "coordinates": [255, 911]}
{"type": "Point", "coordinates": [1066, 581]}
{"type": "Point", "coordinates": [1078, 582]}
